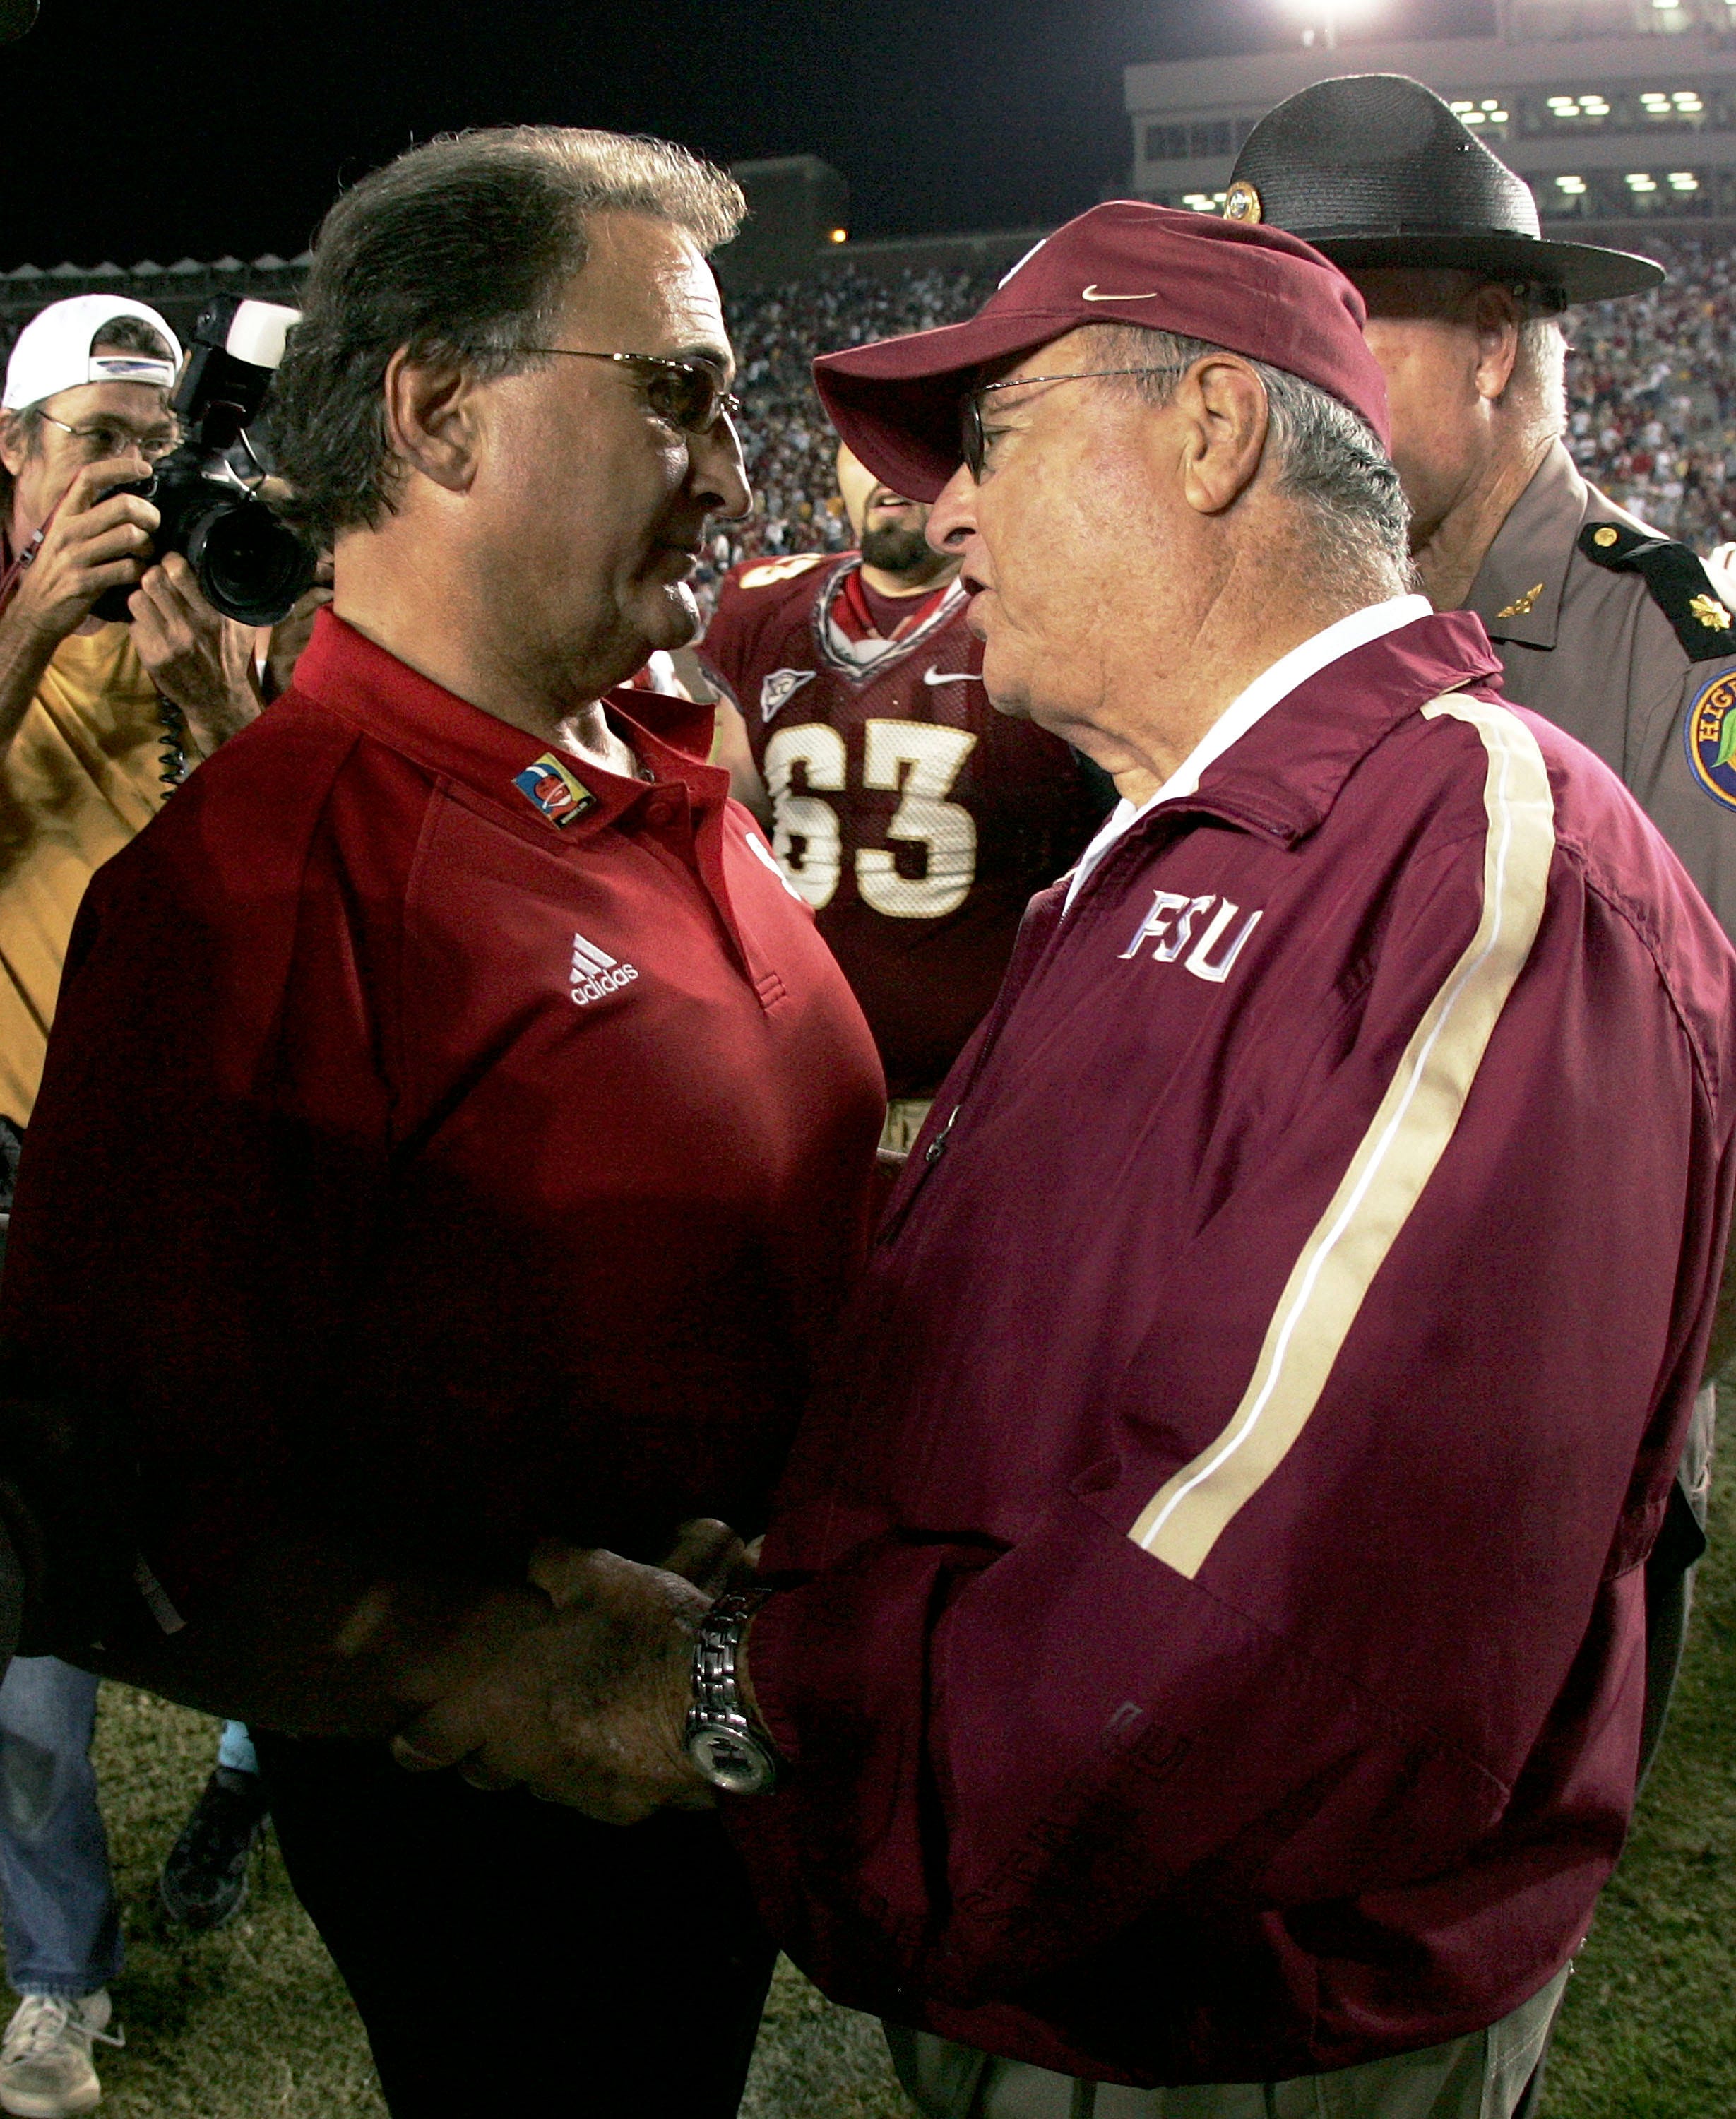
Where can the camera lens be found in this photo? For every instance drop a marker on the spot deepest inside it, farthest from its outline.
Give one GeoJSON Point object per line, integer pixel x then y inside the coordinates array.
{"type": "Point", "coordinates": [250, 565]}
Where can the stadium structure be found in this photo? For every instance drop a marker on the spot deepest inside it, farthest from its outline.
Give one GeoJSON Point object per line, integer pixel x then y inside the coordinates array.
{"type": "Point", "coordinates": [1620, 114]}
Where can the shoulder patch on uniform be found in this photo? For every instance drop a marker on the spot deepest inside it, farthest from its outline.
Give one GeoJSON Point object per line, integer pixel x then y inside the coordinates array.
{"type": "Point", "coordinates": [777, 690]}
{"type": "Point", "coordinates": [1678, 584]}
{"type": "Point", "coordinates": [774, 571]}
{"type": "Point", "coordinates": [1709, 732]}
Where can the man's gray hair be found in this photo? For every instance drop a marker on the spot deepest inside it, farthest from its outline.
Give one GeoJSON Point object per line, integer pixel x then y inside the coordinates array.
{"type": "Point", "coordinates": [1333, 466]}
{"type": "Point", "coordinates": [1540, 375]}
{"type": "Point", "coordinates": [461, 249]}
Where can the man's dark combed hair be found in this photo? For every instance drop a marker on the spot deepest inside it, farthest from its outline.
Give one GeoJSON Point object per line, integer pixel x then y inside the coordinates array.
{"type": "Point", "coordinates": [460, 249]}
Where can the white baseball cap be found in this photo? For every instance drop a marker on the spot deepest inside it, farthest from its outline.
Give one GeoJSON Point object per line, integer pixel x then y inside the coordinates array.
{"type": "Point", "coordinates": [53, 351]}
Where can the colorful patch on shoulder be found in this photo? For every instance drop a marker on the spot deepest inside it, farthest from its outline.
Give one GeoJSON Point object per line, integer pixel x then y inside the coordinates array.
{"type": "Point", "coordinates": [781, 570]}
{"type": "Point", "coordinates": [557, 792]}
{"type": "Point", "coordinates": [1709, 732]}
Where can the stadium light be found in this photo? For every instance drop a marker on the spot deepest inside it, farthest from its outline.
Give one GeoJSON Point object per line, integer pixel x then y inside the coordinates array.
{"type": "Point", "coordinates": [1327, 15]}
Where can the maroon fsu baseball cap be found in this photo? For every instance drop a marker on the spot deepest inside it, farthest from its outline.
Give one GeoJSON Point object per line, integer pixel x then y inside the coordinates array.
{"type": "Point", "coordinates": [1256, 290]}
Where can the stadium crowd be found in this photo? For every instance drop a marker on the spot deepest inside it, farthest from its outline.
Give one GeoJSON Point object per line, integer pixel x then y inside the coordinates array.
{"type": "Point", "coordinates": [1652, 395]}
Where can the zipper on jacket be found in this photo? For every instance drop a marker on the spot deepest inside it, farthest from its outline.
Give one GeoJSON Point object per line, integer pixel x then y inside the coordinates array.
{"type": "Point", "coordinates": [932, 1154]}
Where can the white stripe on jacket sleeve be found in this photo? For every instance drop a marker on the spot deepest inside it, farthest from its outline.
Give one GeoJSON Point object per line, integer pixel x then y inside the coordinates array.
{"type": "Point", "coordinates": [1393, 1162]}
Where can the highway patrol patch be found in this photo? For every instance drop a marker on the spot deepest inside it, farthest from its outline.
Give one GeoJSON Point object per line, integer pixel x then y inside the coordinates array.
{"type": "Point", "coordinates": [779, 687]}
{"type": "Point", "coordinates": [554, 790]}
{"type": "Point", "coordinates": [1709, 731]}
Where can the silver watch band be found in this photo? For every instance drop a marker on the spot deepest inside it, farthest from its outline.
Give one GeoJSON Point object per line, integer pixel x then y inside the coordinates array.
{"type": "Point", "coordinates": [720, 1740]}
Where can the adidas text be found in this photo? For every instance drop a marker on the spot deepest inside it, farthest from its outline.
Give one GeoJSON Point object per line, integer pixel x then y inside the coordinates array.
{"type": "Point", "coordinates": [596, 974]}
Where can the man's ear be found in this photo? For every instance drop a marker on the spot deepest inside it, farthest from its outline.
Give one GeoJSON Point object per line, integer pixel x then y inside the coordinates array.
{"type": "Point", "coordinates": [433, 423]}
{"type": "Point", "coordinates": [1225, 419]}
{"type": "Point", "coordinates": [1496, 318]}
{"type": "Point", "coordinates": [14, 450]}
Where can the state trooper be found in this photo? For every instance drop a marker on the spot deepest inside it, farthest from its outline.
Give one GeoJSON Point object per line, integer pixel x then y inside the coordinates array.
{"type": "Point", "coordinates": [1613, 631]}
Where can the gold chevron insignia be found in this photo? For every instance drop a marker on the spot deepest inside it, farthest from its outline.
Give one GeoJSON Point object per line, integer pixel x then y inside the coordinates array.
{"type": "Point", "coordinates": [1711, 613]}
{"type": "Point", "coordinates": [1606, 537]}
{"type": "Point", "coordinates": [1520, 606]}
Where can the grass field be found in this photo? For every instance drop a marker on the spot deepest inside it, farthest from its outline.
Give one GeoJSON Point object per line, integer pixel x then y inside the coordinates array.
{"type": "Point", "coordinates": [253, 2023]}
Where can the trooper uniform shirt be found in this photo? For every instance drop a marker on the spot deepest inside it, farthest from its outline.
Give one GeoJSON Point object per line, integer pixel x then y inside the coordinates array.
{"type": "Point", "coordinates": [913, 819]}
{"type": "Point", "coordinates": [1597, 651]}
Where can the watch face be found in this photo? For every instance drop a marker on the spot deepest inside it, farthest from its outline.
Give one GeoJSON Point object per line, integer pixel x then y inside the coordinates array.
{"type": "Point", "coordinates": [734, 1764]}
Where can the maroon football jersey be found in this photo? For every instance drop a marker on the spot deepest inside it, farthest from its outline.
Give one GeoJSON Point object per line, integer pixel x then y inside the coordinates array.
{"type": "Point", "coordinates": [915, 820]}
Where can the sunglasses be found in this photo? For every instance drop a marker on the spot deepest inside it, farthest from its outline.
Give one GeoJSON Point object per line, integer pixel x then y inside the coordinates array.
{"type": "Point", "coordinates": [975, 443]}
{"type": "Point", "coordinates": [686, 393]}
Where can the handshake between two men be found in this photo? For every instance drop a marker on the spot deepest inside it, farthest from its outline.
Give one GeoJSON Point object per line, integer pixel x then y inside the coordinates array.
{"type": "Point", "coordinates": [589, 1706]}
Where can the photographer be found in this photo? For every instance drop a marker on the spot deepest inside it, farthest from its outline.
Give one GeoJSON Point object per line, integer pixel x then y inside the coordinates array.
{"type": "Point", "coordinates": [84, 738]}
{"type": "Point", "coordinates": [98, 720]}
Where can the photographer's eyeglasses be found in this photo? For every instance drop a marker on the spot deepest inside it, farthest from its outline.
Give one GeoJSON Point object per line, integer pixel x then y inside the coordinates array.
{"type": "Point", "coordinates": [102, 442]}
{"type": "Point", "coordinates": [975, 441]}
{"type": "Point", "coordinates": [686, 393]}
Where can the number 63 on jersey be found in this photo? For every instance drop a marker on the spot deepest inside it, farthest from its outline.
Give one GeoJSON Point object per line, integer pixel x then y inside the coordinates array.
{"type": "Point", "coordinates": [917, 761]}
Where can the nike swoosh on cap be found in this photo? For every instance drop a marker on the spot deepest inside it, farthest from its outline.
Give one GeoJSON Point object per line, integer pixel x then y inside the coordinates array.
{"type": "Point", "coordinates": [934, 674]}
{"type": "Point", "coordinates": [1090, 295]}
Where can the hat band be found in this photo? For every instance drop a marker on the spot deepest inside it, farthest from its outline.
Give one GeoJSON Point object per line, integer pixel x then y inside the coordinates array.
{"type": "Point", "coordinates": [1363, 230]}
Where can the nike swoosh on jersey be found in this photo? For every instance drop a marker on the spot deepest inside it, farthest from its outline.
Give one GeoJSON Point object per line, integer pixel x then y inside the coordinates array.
{"type": "Point", "coordinates": [934, 674]}
{"type": "Point", "coordinates": [1090, 295]}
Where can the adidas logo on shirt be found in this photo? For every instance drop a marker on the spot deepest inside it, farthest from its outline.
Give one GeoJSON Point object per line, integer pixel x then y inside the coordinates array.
{"type": "Point", "coordinates": [596, 974]}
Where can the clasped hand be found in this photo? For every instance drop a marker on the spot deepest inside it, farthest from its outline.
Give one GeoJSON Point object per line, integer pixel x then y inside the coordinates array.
{"type": "Point", "coordinates": [589, 1708]}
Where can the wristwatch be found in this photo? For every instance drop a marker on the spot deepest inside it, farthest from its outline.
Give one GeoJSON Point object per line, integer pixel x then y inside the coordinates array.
{"type": "Point", "coordinates": [720, 1740]}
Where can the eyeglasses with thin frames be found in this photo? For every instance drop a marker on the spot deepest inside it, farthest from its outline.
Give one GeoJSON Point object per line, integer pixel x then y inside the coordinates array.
{"type": "Point", "coordinates": [975, 441]}
{"type": "Point", "coordinates": [686, 393]}
{"type": "Point", "coordinates": [103, 441]}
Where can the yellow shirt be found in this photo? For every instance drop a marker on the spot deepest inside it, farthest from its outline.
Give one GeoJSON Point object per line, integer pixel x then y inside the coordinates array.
{"type": "Point", "coordinates": [79, 780]}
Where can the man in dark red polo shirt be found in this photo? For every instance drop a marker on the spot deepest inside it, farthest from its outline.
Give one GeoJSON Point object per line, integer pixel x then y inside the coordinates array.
{"type": "Point", "coordinates": [1202, 1639]}
{"type": "Point", "coordinates": [467, 1128]}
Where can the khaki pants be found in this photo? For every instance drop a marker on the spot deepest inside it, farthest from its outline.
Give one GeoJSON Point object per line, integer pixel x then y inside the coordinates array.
{"type": "Point", "coordinates": [903, 1121]}
{"type": "Point", "coordinates": [1483, 2076]}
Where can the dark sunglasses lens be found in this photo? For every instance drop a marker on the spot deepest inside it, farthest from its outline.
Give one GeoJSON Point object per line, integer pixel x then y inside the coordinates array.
{"type": "Point", "coordinates": [971, 425]}
{"type": "Point", "coordinates": [686, 396]}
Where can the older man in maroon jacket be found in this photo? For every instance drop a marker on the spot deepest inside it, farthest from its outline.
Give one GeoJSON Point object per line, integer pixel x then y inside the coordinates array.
{"type": "Point", "coordinates": [1202, 1638]}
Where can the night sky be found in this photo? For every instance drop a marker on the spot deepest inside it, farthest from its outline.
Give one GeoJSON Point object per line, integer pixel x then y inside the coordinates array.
{"type": "Point", "coordinates": [166, 129]}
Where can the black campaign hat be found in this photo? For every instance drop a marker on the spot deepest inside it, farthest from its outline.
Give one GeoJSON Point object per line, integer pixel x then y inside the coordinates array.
{"type": "Point", "coordinates": [1375, 170]}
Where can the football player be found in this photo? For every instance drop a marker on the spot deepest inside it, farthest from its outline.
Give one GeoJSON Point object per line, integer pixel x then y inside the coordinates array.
{"type": "Point", "coordinates": [915, 820]}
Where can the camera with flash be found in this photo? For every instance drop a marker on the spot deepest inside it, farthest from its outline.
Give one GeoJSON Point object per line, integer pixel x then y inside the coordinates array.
{"type": "Point", "coordinates": [248, 563]}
